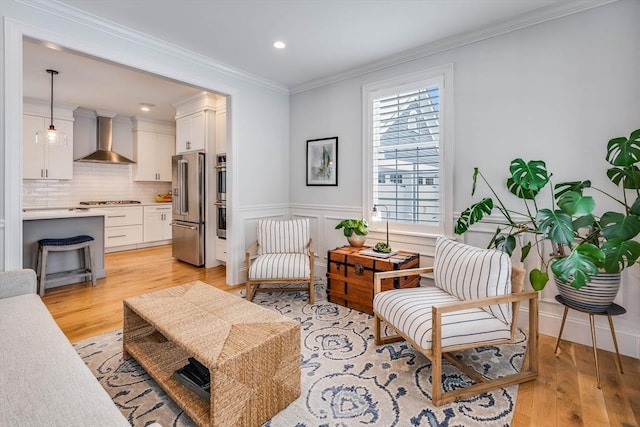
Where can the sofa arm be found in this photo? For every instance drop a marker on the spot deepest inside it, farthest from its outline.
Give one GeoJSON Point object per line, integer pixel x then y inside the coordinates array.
{"type": "Point", "coordinates": [17, 282]}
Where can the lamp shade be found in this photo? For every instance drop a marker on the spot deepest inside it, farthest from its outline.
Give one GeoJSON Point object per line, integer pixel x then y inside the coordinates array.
{"type": "Point", "coordinates": [51, 136]}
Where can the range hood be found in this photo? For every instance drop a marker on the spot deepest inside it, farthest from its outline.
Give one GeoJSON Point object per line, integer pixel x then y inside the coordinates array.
{"type": "Point", "coordinates": [104, 153]}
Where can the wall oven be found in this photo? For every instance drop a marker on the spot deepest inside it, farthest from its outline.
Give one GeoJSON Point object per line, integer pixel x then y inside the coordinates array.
{"type": "Point", "coordinates": [221, 196]}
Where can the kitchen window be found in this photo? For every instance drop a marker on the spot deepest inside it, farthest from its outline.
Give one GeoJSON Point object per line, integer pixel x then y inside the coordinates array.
{"type": "Point", "coordinates": [407, 142]}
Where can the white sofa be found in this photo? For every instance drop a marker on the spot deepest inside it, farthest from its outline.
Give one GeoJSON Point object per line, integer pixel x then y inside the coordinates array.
{"type": "Point", "coordinates": [43, 381]}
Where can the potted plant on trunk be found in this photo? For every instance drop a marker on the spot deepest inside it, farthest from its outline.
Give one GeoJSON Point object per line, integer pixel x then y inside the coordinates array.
{"type": "Point", "coordinates": [355, 230]}
{"type": "Point", "coordinates": [589, 251]}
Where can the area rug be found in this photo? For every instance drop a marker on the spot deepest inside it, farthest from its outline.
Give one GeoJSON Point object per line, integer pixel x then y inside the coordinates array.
{"type": "Point", "coordinates": [346, 379]}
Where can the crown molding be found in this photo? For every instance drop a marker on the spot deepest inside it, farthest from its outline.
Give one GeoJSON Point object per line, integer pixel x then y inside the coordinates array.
{"type": "Point", "coordinates": [73, 14]}
{"type": "Point", "coordinates": [523, 21]}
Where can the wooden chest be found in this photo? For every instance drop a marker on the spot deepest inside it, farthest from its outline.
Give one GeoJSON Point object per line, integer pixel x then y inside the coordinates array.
{"type": "Point", "coordinates": [350, 276]}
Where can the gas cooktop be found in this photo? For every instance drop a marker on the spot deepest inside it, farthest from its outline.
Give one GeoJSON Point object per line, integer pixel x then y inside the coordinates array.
{"type": "Point", "coordinates": [110, 202]}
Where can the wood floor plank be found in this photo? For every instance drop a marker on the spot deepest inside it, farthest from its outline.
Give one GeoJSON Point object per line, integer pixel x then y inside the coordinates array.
{"type": "Point", "coordinates": [564, 394]}
{"type": "Point", "coordinates": [567, 388]}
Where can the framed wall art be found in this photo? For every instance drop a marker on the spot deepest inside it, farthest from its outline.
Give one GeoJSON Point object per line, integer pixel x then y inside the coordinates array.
{"type": "Point", "coordinates": [322, 161]}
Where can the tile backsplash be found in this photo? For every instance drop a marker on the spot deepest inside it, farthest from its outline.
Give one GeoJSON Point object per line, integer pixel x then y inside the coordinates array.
{"type": "Point", "coordinates": [91, 181]}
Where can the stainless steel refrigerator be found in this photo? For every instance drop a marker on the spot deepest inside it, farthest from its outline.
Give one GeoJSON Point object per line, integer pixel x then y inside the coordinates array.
{"type": "Point", "coordinates": [188, 207]}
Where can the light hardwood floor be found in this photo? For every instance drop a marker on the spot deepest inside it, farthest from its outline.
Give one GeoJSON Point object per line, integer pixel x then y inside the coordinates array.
{"type": "Point", "coordinates": [565, 393]}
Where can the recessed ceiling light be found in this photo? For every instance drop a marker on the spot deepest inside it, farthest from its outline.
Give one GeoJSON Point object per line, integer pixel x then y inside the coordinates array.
{"type": "Point", "coordinates": [279, 45]}
{"type": "Point", "coordinates": [145, 106]}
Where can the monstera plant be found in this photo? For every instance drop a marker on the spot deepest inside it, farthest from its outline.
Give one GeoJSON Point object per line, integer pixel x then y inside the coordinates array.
{"type": "Point", "coordinates": [584, 244]}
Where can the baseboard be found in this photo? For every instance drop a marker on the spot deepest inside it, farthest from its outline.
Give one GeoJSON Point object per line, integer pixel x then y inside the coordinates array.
{"type": "Point", "coordinates": [578, 330]}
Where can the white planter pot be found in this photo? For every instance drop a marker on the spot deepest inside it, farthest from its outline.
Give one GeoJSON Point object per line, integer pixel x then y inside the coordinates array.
{"type": "Point", "coordinates": [356, 240]}
{"type": "Point", "coordinates": [595, 296]}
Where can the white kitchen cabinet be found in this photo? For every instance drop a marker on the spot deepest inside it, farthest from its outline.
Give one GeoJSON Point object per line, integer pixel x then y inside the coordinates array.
{"type": "Point", "coordinates": [221, 131]}
{"type": "Point", "coordinates": [122, 226]}
{"type": "Point", "coordinates": [191, 131]}
{"type": "Point", "coordinates": [221, 249]}
{"type": "Point", "coordinates": [41, 160]}
{"type": "Point", "coordinates": [157, 223]}
{"type": "Point", "coordinates": [152, 153]}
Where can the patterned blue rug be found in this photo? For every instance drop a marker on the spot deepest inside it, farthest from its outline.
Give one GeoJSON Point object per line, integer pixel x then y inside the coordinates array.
{"type": "Point", "coordinates": [346, 379]}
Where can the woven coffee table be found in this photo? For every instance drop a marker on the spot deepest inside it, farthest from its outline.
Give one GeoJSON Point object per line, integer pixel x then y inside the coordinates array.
{"type": "Point", "coordinates": [253, 353]}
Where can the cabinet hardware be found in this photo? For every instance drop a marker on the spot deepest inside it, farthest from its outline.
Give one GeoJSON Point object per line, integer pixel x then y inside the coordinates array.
{"type": "Point", "coordinates": [188, 145]}
{"type": "Point", "coordinates": [116, 216]}
{"type": "Point", "coordinates": [46, 173]}
{"type": "Point", "coordinates": [41, 173]}
{"type": "Point", "coordinates": [119, 235]}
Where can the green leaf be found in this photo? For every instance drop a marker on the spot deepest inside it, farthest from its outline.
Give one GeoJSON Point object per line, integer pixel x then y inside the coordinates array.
{"type": "Point", "coordinates": [556, 225]}
{"type": "Point", "coordinates": [520, 192]}
{"type": "Point", "coordinates": [630, 176]}
{"type": "Point", "coordinates": [530, 176]}
{"type": "Point", "coordinates": [615, 224]}
{"type": "Point", "coordinates": [635, 208]}
{"type": "Point", "coordinates": [574, 203]}
{"type": "Point", "coordinates": [584, 221]}
{"type": "Point", "coordinates": [525, 251]}
{"type": "Point", "coordinates": [476, 171]}
{"type": "Point", "coordinates": [473, 214]}
{"type": "Point", "coordinates": [506, 244]}
{"type": "Point", "coordinates": [538, 279]}
{"type": "Point", "coordinates": [580, 266]}
{"type": "Point", "coordinates": [624, 152]}
{"type": "Point", "coordinates": [620, 254]}
{"type": "Point", "coordinates": [564, 187]}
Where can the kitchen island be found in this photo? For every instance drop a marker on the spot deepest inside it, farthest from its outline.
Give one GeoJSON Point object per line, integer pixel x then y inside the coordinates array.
{"type": "Point", "coordinates": [60, 223]}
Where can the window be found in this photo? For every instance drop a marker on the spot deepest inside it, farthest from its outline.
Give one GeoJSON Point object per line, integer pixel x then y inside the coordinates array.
{"type": "Point", "coordinates": [407, 140]}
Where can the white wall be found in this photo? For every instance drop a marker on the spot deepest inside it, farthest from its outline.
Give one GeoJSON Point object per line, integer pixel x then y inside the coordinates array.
{"type": "Point", "coordinates": [257, 160]}
{"type": "Point", "coordinates": [556, 91]}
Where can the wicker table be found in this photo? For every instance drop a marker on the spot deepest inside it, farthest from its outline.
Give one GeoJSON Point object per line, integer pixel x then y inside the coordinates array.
{"type": "Point", "coordinates": [253, 353]}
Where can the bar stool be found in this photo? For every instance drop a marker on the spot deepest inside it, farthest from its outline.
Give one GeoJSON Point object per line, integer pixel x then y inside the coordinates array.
{"type": "Point", "coordinates": [45, 246]}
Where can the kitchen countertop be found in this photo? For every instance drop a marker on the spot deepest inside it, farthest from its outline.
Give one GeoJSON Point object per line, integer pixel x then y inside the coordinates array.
{"type": "Point", "coordinates": [56, 213]}
{"type": "Point", "coordinates": [78, 206]}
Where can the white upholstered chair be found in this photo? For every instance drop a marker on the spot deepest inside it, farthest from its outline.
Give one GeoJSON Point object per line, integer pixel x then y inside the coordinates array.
{"type": "Point", "coordinates": [282, 254]}
{"type": "Point", "coordinates": [474, 303]}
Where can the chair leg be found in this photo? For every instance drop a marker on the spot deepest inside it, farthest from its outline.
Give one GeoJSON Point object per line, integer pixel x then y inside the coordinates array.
{"type": "Point", "coordinates": [92, 264]}
{"type": "Point", "coordinates": [312, 291]}
{"type": "Point", "coordinates": [251, 290]}
{"type": "Point", "coordinates": [42, 280]}
{"type": "Point", "coordinates": [436, 379]}
{"type": "Point", "coordinates": [376, 327]}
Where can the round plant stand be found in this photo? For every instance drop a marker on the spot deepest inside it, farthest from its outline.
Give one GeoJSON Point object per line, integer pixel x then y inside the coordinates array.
{"type": "Point", "coordinates": [612, 310]}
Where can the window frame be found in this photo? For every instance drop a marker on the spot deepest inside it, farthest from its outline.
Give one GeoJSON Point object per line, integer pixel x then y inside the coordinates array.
{"type": "Point", "coordinates": [443, 77]}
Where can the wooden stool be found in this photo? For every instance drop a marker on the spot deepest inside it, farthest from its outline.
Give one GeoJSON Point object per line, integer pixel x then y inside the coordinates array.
{"type": "Point", "coordinates": [45, 246]}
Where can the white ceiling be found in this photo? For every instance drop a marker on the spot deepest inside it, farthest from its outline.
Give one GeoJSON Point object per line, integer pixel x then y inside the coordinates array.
{"type": "Point", "coordinates": [324, 38]}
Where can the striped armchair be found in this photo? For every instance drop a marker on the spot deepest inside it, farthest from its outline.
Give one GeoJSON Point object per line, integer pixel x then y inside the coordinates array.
{"type": "Point", "coordinates": [282, 254]}
{"type": "Point", "coordinates": [474, 302]}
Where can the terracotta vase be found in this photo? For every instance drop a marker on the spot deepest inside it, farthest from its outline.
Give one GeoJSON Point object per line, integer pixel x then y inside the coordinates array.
{"type": "Point", "coordinates": [356, 240]}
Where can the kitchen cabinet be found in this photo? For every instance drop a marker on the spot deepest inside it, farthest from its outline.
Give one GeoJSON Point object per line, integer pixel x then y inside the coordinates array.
{"type": "Point", "coordinates": [221, 249]}
{"type": "Point", "coordinates": [157, 223]}
{"type": "Point", "coordinates": [191, 132]}
{"type": "Point", "coordinates": [122, 225]}
{"type": "Point", "coordinates": [221, 130]}
{"type": "Point", "coordinates": [152, 153]}
{"type": "Point", "coordinates": [44, 161]}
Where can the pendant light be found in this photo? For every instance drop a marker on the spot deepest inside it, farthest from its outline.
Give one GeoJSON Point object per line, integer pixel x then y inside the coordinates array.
{"type": "Point", "coordinates": [51, 136]}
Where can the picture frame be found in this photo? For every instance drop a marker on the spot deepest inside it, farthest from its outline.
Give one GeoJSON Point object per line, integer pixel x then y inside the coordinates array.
{"type": "Point", "coordinates": [322, 161]}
